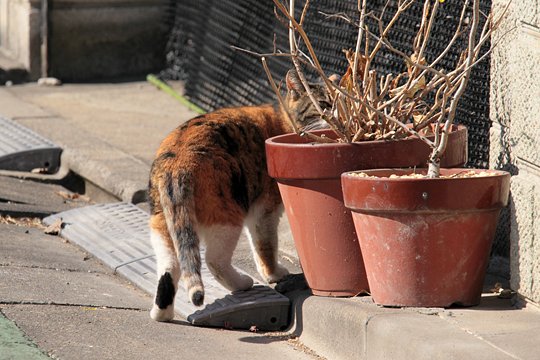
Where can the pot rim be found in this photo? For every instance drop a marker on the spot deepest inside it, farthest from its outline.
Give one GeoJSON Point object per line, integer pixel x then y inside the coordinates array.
{"type": "Point", "coordinates": [289, 139]}
{"type": "Point", "coordinates": [290, 156]}
{"type": "Point", "coordinates": [405, 171]}
{"type": "Point", "coordinates": [383, 194]}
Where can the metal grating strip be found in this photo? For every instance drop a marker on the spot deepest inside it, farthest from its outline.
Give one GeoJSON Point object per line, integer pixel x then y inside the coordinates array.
{"type": "Point", "coordinates": [21, 149]}
{"type": "Point", "coordinates": [119, 236]}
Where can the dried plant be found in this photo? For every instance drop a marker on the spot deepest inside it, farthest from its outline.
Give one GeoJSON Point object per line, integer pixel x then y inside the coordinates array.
{"type": "Point", "coordinates": [421, 101]}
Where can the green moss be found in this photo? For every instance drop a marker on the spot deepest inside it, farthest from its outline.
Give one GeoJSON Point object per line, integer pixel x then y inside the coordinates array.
{"type": "Point", "coordinates": [14, 345]}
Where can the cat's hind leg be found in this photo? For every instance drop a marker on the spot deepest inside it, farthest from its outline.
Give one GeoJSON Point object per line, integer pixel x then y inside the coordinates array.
{"type": "Point", "coordinates": [221, 240]}
{"type": "Point", "coordinates": [168, 270]}
{"type": "Point", "coordinates": [262, 223]}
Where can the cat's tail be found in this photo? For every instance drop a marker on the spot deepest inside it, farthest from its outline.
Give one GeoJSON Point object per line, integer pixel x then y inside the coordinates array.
{"type": "Point", "coordinates": [176, 197]}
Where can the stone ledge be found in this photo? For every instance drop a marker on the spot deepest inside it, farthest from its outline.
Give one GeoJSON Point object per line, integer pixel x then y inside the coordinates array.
{"type": "Point", "coordinates": [358, 329]}
{"type": "Point", "coordinates": [104, 165]}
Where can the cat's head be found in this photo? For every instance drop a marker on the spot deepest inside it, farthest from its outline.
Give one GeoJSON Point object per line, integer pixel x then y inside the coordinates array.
{"type": "Point", "coordinates": [300, 105]}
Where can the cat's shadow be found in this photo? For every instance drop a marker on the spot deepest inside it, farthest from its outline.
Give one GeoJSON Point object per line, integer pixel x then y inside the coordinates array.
{"type": "Point", "coordinates": [261, 338]}
{"type": "Point", "coordinates": [264, 339]}
{"type": "Point", "coordinates": [180, 323]}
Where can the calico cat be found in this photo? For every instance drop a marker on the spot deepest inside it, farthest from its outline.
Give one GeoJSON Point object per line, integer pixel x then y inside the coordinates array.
{"type": "Point", "coordinates": [208, 180]}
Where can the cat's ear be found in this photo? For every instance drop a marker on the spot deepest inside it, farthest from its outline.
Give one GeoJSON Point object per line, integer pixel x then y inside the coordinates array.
{"type": "Point", "coordinates": [294, 85]}
{"type": "Point", "coordinates": [335, 78]}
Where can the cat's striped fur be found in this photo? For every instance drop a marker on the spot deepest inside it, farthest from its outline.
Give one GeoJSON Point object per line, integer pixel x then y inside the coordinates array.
{"type": "Point", "coordinates": [208, 180]}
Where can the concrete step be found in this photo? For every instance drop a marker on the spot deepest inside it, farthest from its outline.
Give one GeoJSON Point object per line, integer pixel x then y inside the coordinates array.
{"type": "Point", "coordinates": [27, 198]}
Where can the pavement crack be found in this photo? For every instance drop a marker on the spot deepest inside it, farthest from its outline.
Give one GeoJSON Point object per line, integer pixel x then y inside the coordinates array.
{"type": "Point", "coordinates": [53, 268]}
{"type": "Point", "coordinates": [39, 117]}
{"type": "Point", "coordinates": [447, 317]}
{"type": "Point", "coordinates": [54, 303]}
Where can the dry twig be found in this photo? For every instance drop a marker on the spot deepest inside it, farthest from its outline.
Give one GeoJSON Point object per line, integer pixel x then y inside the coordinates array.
{"type": "Point", "coordinates": [367, 105]}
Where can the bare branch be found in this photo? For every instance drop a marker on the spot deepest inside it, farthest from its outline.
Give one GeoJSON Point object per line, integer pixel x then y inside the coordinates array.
{"type": "Point", "coordinates": [304, 12]}
{"type": "Point", "coordinates": [427, 33]}
{"type": "Point", "coordinates": [362, 9]}
{"type": "Point", "coordinates": [278, 94]}
{"type": "Point", "coordinates": [368, 105]}
{"type": "Point", "coordinates": [440, 146]}
{"type": "Point", "coordinates": [236, 48]}
{"type": "Point", "coordinates": [457, 33]}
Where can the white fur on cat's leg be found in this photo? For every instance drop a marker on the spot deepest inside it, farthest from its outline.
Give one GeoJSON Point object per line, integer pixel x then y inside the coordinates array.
{"type": "Point", "coordinates": [220, 244]}
{"type": "Point", "coordinates": [262, 234]}
{"type": "Point", "coordinates": [279, 273]}
{"type": "Point", "coordinates": [167, 262]}
{"type": "Point", "coordinates": [162, 315]}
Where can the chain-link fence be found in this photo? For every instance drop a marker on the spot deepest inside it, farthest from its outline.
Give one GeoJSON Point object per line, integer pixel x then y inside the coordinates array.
{"type": "Point", "coordinates": [202, 33]}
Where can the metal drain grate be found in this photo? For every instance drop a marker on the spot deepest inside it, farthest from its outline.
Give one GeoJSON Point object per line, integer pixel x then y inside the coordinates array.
{"type": "Point", "coordinates": [21, 149]}
{"type": "Point", "coordinates": [118, 235]}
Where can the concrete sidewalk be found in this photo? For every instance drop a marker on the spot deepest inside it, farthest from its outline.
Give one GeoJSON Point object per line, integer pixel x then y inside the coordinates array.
{"type": "Point", "coordinates": [109, 133]}
{"type": "Point", "coordinates": [72, 307]}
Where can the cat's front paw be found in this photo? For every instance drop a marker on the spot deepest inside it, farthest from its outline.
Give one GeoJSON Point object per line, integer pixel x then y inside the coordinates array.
{"type": "Point", "coordinates": [245, 283]}
{"type": "Point", "coordinates": [162, 315]}
{"type": "Point", "coordinates": [279, 273]}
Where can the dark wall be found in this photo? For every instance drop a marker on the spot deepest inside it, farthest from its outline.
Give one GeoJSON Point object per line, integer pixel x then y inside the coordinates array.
{"type": "Point", "coordinates": [106, 39]}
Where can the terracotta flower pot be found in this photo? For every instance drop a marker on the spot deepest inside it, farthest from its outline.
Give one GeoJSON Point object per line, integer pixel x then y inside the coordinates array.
{"type": "Point", "coordinates": [308, 175]}
{"type": "Point", "coordinates": [426, 242]}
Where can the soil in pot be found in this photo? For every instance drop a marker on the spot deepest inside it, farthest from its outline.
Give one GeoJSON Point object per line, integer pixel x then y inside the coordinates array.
{"type": "Point", "coordinates": [426, 242]}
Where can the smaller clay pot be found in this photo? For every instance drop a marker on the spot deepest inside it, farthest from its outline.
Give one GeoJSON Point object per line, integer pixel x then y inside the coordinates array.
{"type": "Point", "coordinates": [425, 242]}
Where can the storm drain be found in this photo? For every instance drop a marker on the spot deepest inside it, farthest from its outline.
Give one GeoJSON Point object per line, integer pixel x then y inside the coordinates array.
{"type": "Point", "coordinates": [118, 235]}
{"type": "Point", "coordinates": [21, 149]}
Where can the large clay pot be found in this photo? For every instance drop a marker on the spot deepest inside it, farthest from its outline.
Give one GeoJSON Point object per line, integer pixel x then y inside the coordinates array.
{"type": "Point", "coordinates": [426, 242]}
{"type": "Point", "coordinates": [308, 175]}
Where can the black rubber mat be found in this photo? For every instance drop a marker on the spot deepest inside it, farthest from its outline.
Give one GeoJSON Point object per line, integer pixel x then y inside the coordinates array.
{"type": "Point", "coordinates": [21, 149]}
